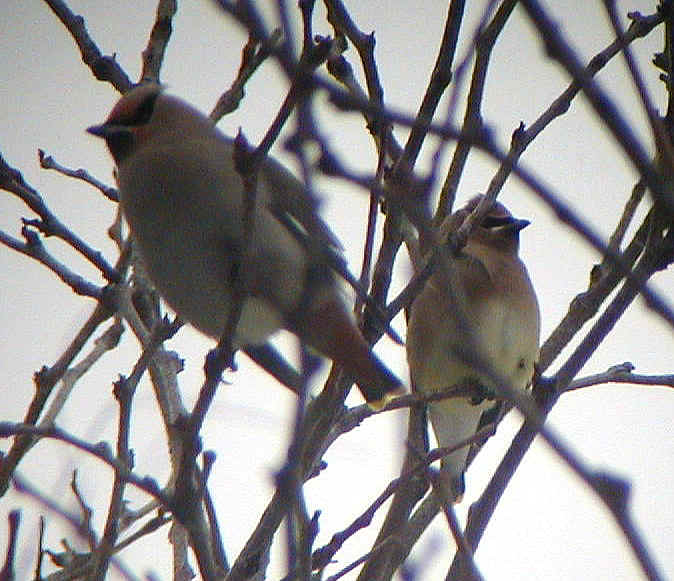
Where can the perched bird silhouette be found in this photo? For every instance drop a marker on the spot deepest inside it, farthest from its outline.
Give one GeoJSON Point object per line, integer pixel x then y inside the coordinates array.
{"type": "Point", "coordinates": [184, 202]}
{"type": "Point", "coordinates": [475, 316]}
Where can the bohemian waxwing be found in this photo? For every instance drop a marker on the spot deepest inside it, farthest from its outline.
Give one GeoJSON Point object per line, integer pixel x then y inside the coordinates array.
{"type": "Point", "coordinates": [183, 200]}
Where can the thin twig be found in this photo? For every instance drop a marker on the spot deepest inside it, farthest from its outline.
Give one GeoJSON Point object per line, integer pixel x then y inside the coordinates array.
{"type": "Point", "coordinates": [472, 121]}
{"type": "Point", "coordinates": [104, 68]}
{"type": "Point", "coordinates": [48, 162]}
{"type": "Point", "coordinates": [464, 551]}
{"type": "Point", "coordinates": [12, 181]}
{"type": "Point", "coordinates": [253, 55]}
{"type": "Point", "coordinates": [601, 102]}
{"type": "Point", "coordinates": [7, 571]}
{"type": "Point", "coordinates": [621, 373]}
{"type": "Point", "coordinates": [45, 380]}
{"type": "Point", "coordinates": [102, 452]}
{"type": "Point", "coordinates": [153, 54]}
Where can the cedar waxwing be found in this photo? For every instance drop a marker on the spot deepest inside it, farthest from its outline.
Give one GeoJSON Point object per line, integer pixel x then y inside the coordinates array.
{"type": "Point", "coordinates": [482, 304]}
{"type": "Point", "coordinates": [183, 200]}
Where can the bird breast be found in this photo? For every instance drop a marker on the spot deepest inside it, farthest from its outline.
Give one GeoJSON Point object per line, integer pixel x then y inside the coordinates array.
{"type": "Point", "coordinates": [185, 213]}
{"type": "Point", "coordinates": [505, 338]}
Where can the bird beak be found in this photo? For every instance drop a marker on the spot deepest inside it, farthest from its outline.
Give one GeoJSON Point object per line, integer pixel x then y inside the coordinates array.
{"type": "Point", "coordinates": [98, 130]}
{"type": "Point", "coordinates": [106, 130]}
{"type": "Point", "coordinates": [518, 225]}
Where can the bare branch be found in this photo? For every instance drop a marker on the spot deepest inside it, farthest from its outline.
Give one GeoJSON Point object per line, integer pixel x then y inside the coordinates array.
{"type": "Point", "coordinates": [12, 181]}
{"type": "Point", "coordinates": [603, 105]}
{"type": "Point", "coordinates": [153, 55]}
{"type": "Point", "coordinates": [45, 380]}
{"type": "Point", "coordinates": [48, 162]}
{"type": "Point", "coordinates": [100, 451]}
{"type": "Point", "coordinates": [7, 571]}
{"type": "Point", "coordinates": [465, 553]}
{"type": "Point", "coordinates": [472, 121]}
{"type": "Point", "coordinates": [34, 249]}
{"type": "Point", "coordinates": [622, 373]}
{"type": "Point", "coordinates": [104, 68]}
{"type": "Point", "coordinates": [253, 55]}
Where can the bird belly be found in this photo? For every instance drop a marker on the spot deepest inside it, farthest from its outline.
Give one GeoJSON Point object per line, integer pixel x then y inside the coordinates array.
{"type": "Point", "coordinates": [195, 282]}
{"type": "Point", "coordinates": [439, 366]}
{"type": "Point", "coordinates": [193, 259]}
{"type": "Point", "coordinates": [506, 342]}
{"type": "Point", "coordinates": [501, 341]}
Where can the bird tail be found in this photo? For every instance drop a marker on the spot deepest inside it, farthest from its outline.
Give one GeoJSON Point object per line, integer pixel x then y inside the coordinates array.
{"type": "Point", "coordinates": [329, 328]}
{"type": "Point", "coordinates": [376, 382]}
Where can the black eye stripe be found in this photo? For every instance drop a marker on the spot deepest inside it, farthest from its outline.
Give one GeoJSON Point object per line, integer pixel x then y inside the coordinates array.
{"type": "Point", "coordinates": [144, 111]}
{"type": "Point", "coordinates": [496, 221]}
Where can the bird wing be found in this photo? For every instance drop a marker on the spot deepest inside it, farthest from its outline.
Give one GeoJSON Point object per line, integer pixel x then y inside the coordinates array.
{"type": "Point", "coordinates": [293, 205]}
{"type": "Point", "coordinates": [474, 275]}
{"type": "Point", "coordinates": [298, 213]}
{"type": "Point", "coordinates": [466, 270]}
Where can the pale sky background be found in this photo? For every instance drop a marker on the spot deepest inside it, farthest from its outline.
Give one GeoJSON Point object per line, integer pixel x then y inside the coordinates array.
{"type": "Point", "coordinates": [548, 525]}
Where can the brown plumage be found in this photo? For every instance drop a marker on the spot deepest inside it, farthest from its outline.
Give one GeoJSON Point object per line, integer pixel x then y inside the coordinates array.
{"type": "Point", "coordinates": [481, 308]}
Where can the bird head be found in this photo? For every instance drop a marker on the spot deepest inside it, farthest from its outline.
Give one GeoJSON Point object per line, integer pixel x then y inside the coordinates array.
{"type": "Point", "coordinates": [147, 115]}
{"type": "Point", "coordinates": [498, 228]}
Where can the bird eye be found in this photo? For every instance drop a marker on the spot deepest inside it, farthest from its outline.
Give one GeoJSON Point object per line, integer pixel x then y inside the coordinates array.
{"type": "Point", "coordinates": [144, 110]}
{"type": "Point", "coordinates": [496, 221]}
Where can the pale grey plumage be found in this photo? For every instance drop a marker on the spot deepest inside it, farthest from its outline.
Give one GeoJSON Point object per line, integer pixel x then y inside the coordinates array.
{"type": "Point", "coordinates": [183, 200]}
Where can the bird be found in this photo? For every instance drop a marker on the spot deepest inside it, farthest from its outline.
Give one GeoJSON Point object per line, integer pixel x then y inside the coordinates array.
{"type": "Point", "coordinates": [476, 318]}
{"type": "Point", "coordinates": [184, 200]}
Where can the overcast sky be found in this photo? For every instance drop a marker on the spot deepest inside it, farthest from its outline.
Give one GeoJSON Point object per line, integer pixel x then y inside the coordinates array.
{"type": "Point", "coordinates": [548, 525]}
